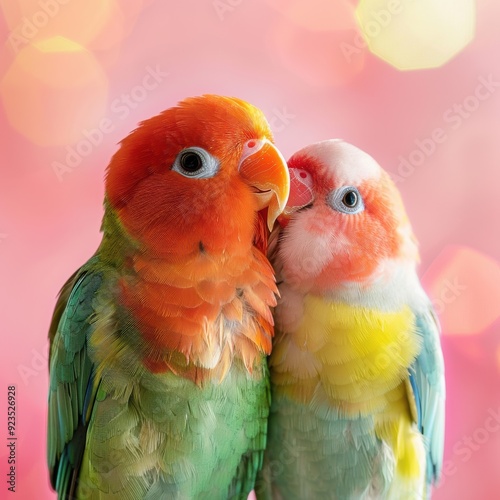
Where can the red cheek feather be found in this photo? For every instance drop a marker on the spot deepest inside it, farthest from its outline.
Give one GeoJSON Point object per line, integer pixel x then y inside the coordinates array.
{"type": "Point", "coordinates": [372, 238]}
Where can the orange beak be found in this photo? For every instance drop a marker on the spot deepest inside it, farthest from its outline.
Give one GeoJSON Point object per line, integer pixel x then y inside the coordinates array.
{"type": "Point", "coordinates": [263, 167]}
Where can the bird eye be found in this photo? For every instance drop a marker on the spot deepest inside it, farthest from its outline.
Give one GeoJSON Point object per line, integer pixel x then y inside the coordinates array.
{"type": "Point", "coordinates": [191, 161]}
{"type": "Point", "coordinates": [196, 162]}
{"type": "Point", "coordinates": [346, 199]}
{"type": "Point", "coordinates": [350, 199]}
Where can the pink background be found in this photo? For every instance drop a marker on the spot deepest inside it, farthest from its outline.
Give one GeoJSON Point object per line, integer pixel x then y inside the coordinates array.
{"type": "Point", "coordinates": [292, 67]}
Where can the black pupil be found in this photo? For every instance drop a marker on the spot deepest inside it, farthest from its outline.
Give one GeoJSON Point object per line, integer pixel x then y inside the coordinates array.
{"type": "Point", "coordinates": [191, 162]}
{"type": "Point", "coordinates": [350, 199]}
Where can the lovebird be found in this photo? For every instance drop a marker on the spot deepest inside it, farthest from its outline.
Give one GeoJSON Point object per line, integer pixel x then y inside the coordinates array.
{"type": "Point", "coordinates": [159, 386]}
{"type": "Point", "coordinates": [357, 371]}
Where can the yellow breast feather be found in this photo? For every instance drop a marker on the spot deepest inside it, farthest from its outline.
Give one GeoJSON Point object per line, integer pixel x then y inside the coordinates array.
{"type": "Point", "coordinates": [350, 356]}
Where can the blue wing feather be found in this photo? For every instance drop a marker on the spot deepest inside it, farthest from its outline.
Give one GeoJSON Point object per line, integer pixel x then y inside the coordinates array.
{"type": "Point", "coordinates": [416, 395]}
{"type": "Point", "coordinates": [426, 379]}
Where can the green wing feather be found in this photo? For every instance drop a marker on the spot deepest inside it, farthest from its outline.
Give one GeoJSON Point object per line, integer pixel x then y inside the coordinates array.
{"type": "Point", "coordinates": [72, 388]}
{"type": "Point", "coordinates": [165, 404]}
{"type": "Point", "coordinates": [428, 392]}
{"type": "Point", "coordinates": [252, 461]}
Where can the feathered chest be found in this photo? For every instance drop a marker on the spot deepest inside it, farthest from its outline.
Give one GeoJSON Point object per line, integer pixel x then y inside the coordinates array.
{"type": "Point", "coordinates": [201, 312]}
{"type": "Point", "coordinates": [350, 357]}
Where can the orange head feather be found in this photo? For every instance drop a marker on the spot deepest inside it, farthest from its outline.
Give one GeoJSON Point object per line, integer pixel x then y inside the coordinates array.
{"type": "Point", "coordinates": [175, 211]}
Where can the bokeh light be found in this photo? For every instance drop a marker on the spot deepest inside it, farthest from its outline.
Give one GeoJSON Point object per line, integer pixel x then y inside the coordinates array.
{"type": "Point", "coordinates": [66, 66]}
{"type": "Point", "coordinates": [464, 286]}
{"type": "Point", "coordinates": [321, 15]}
{"type": "Point", "coordinates": [119, 23]}
{"type": "Point", "coordinates": [319, 41]}
{"type": "Point", "coordinates": [419, 34]}
{"type": "Point", "coordinates": [53, 91]}
{"type": "Point", "coordinates": [79, 20]}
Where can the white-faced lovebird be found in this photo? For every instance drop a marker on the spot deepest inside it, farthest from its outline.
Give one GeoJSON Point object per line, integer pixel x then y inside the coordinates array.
{"type": "Point", "coordinates": [357, 370]}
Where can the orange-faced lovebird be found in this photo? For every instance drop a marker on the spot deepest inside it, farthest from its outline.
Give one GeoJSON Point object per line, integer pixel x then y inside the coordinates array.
{"type": "Point", "coordinates": [158, 379]}
{"type": "Point", "coordinates": [357, 370]}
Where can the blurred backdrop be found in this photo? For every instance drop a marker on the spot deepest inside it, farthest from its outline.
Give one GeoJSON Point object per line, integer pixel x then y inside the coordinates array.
{"type": "Point", "coordinates": [414, 83]}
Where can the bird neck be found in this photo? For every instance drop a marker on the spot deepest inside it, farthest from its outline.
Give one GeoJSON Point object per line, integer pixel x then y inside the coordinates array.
{"type": "Point", "coordinates": [393, 284]}
{"type": "Point", "coordinates": [194, 314]}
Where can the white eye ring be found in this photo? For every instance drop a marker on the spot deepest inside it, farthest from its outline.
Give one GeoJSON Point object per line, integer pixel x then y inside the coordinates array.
{"type": "Point", "coordinates": [346, 199]}
{"type": "Point", "coordinates": [196, 163]}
